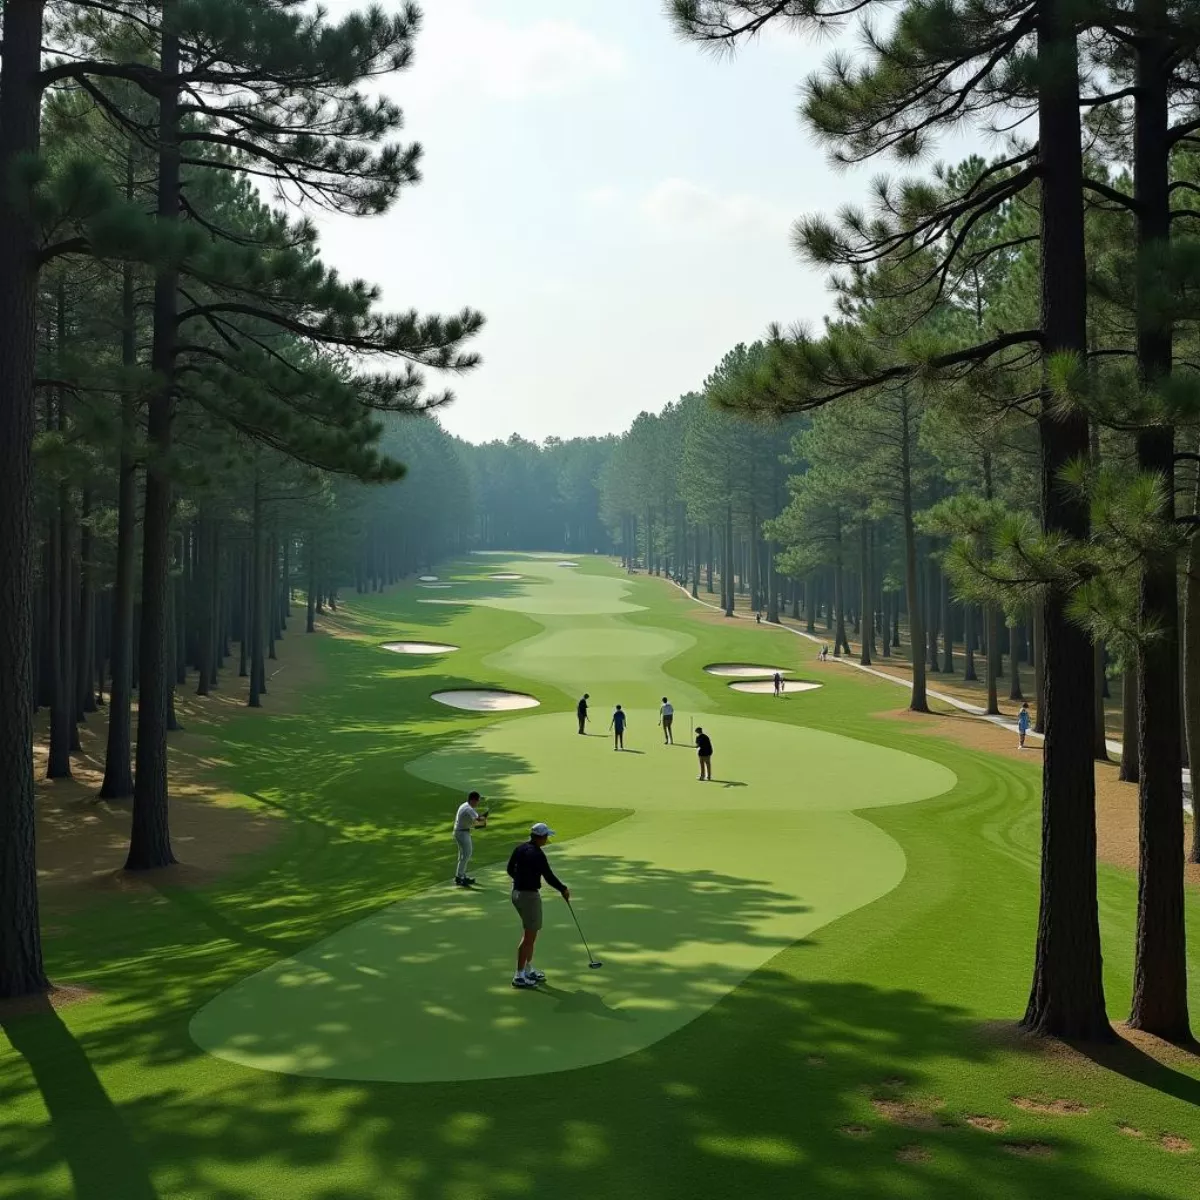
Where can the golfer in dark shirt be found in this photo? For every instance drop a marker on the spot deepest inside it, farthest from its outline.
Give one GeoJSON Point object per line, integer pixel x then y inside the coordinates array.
{"type": "Point", "coordinates": [581, 712]}
{"type": "Point", "coordinates": [527, 865]}
{"type": "Point", "coordinates": [704, 749]}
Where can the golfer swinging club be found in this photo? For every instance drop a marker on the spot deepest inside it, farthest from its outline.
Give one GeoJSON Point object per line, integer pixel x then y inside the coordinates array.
{"type": "Point", "coordinates": [466, 819]}
{"type": "Point", "coordinates": [528, 867]}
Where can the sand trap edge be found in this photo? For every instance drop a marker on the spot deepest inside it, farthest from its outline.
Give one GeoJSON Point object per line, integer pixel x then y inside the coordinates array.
{"type": "Point", "coordinates": [743, 670]}
{"type": "Point", "coordinates": [485, 700]}
{"type": "Point", "coordinates": [419, 647]}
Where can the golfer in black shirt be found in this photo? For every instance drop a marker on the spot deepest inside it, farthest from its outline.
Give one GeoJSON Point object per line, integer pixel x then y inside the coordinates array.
{"type": "Point", "coordinates": [528, 867]}
{"type": "Point", "coordinates": [704, 749]}
{"type": "Point", "coordinates": [581, 712]}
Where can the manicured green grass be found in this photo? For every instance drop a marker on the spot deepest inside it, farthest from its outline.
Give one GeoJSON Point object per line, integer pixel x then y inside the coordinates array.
{"type": "Point", "coordinates": [895, 1003]}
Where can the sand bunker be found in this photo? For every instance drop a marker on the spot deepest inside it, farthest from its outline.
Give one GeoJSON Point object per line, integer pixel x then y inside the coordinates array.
{"type": "Point", "coordinates": [507, 575]}
{"type": "Point", "coordinates": [568, 564]}
{"type": "Point", "coordinates": [743, 669]}
{"type": "Point", "coordinates": [767, 686]}
{"type": "Point", "coordinates": [427, 578]}
{"type": "Point", "coordinates": [434, 585]}
{"type": "Point", "coordinates": [485, 700]}
{"type": "Point", "coordinates": [419, 647]}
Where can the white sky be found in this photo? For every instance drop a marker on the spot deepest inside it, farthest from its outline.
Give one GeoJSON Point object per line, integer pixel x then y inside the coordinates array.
{"type": "Point", "coordinates": [617, 203]}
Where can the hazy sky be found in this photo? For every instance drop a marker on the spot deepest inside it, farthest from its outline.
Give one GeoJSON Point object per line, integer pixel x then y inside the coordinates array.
{"type": "Point", "coordinates": [617, 203]}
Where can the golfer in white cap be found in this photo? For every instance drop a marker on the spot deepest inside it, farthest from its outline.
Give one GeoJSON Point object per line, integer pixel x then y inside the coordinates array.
{"type": "Point", "coordinates": [527, 866]}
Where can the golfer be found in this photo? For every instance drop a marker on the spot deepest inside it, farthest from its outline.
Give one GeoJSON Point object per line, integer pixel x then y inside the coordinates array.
{"type": "Point", "coordinates": [666, 716]}
{"type": "Point", "coordinates": [528, 867]}
{"type": "Point", "coordinates": [1022, 725]}
{"type": "Point", "coordinates": [581, 712]}
{"type": "Point", "coordinates": [617, 725]}
{"type": "Point", "coordinates": [778, 684]}
{"type": "Point", "coordinates": [467, 818]}
{"type": "Point", "coordinates": [704, 750]}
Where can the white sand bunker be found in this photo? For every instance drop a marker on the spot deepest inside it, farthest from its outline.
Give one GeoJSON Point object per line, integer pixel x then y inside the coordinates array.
{"type": "Point", "coordinates": [485, 700]}
{"type": "Point", "coordinates": [567, 564]}
{"type": "Point", "coordinates": [419, 647]}
{"type": "Point", "coordinates": [767, 686]}
{"type": "Point", "coordinates": [743, 669]}
{"type": "Point", "coordinates": [435, 585]}
{"type": "Point", "coordinates": [507, 575]}
{"type": "Point", "coordinates": [427, 578]}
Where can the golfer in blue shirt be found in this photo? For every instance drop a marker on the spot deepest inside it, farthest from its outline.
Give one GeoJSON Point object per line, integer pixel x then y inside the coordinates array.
{"type": "Point", "coordinates": [617, 725]}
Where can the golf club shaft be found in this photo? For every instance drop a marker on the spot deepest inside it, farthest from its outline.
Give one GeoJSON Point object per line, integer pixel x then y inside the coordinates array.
{"type": "Point", "coordinates": [591, 956]}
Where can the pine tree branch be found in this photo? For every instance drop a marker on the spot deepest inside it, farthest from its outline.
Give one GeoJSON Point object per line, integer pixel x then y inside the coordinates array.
{"type": "Point", "coordinates": [1111, 193]}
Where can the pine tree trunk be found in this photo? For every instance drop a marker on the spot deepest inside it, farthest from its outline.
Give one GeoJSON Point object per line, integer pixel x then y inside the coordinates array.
{"type": "Point", "coordinates": [865, 603]}
{"type": "Point", "coordinates": [1191, 670]}
{"type": "Point", "coordinates": [727, 597]}
{"type": "Point", "coordinates": [85, 642]}
{"type": "Point", "coordinates": [173, 725]}
{"type": "Point", "coordinates": [270, 593]}
{"type": "Point", "coordinates": [150, 840]}
{"type": "Point", "coordinates": [918, 701]}
{"type": "Point", "coordinates": [1160, 993]}
{"type": "Point", "coordinates": [1039, 670]}
{"type": "Point", "coordinates": [1014, 661]}
{"type": "Point", "coordinates": [1099, 735]}
{"type": "Point", "coordinates": [969, 673]}
{"type": "Point", "coordinates": [21, 969]}
{"type": "Point", "coordinates": [947, 628]}
{"type": "Point", "coordinates": [58, 765]}
{"type": "Point", "coordinates": [932, 597]}
{"type": "Point", "coordinates": [311, 617]}
{"type": "Point", "coordinates": [206, 637]}
{"type": "Point", "coordinates": [1067, 990]}
{"type": "Point", "coordinates": [993, 660]}
{"type": "Point", "coordinates": [257, 667]}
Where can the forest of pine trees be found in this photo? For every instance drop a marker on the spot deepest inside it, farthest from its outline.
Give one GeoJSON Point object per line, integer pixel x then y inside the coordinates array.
{"type": "Point", "coordinates": [986, 457]}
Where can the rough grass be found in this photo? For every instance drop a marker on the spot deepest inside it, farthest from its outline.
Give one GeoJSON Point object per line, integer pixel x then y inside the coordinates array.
{"type": "Point", "coordinates": [768, 1094]}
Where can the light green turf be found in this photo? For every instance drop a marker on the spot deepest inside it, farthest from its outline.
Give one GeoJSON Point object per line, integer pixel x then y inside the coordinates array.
{"type": "Point", "coordinates": [698, 888]}
{"type": "Point", "coordinates": [911, 997]}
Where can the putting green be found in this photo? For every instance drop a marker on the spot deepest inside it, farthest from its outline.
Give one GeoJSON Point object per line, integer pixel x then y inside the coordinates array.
{"type": "Point", "coordinates": [697, 888]}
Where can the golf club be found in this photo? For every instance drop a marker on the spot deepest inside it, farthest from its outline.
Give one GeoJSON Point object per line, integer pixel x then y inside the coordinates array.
{"type": "Point", "coordinates": [592, 962]}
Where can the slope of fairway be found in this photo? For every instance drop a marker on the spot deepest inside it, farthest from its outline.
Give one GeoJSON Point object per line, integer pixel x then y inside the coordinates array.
{"type": "Point", "coordinates": [699, 887]}
{"type": "Point", "coordinates": [872, 1059]}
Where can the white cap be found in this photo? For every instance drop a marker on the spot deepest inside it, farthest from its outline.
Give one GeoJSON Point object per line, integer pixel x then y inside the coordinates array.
{"type": "Point", "coordinates": [541, 829]}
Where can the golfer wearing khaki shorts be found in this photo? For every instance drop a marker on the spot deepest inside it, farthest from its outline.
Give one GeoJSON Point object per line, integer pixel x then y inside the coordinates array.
{"type": "Point", "coordinates": [527, 866]}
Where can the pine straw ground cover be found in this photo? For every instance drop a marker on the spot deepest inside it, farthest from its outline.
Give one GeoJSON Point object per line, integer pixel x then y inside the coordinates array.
{"type": "Point", "coordinates": [876, 1058]}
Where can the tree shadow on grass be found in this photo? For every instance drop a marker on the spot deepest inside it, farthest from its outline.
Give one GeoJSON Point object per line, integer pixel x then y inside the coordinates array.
{"type": "Point", "coordinates": [89, 1132]}
{"type": "Point", "coordinates": [1129, 1060]}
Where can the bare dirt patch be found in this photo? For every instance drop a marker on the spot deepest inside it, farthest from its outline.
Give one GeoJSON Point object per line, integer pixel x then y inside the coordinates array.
{"type": "Point", "coordinates": [82, 840]}
{"type": "Point", "coordinates": [1028, 1149]}
{"type": "Point", "coordinates": [815, 1060]}
{"type": "Point", "coordinates": [1056, 1108]}
{"type": "Point", "coordinates": [855, 1131]}
{"type": "Point", "coordinates": [987, 1124]}
{"type": "Point", "coordinates": [913, 1154]}
{"type": "Point", "coordinates": [902, 1112]}
{"type": "Point", "coordinates": [1130, 1131]}
{"type": "Point", "coordinates": [1175, 1144]}
{"type": "Point", "coordinates": [63, 995]}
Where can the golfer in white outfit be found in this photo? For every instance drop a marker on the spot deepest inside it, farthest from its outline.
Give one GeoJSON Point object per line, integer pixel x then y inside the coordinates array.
{"type": "Point", "coordinates": [466, 819]}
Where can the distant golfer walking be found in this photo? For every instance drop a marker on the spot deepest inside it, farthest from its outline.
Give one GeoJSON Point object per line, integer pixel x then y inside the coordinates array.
{"type": "Point", "coordinates": [778, 684]}
{"type": "Point", "coordinates": [1022, 725]}
{"type": "Point", "coordinates": [666, 716]}
{"type": "Point", "coordinates": [704, 751]}
{"type": "Point", "coordinates": [617, 725]}
{"type": "Point", "coordinates": [527, 865]}
{"type": "Point", "coordinates": [467, 818]}
{"type": "Point", "coordinates": [582, 713]}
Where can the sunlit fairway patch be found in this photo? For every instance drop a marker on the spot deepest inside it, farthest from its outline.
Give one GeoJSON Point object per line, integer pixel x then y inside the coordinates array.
{"type": "Point", "coordinates": [767, 686]}
{"type": "Point", "coordinates": [485, 700]}
{"type": "Point", "coordinates": [697, 888]}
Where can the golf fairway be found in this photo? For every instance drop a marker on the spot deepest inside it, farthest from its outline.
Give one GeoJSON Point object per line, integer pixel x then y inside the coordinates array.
{"type": "Point", "coordinates": [691, 892]}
